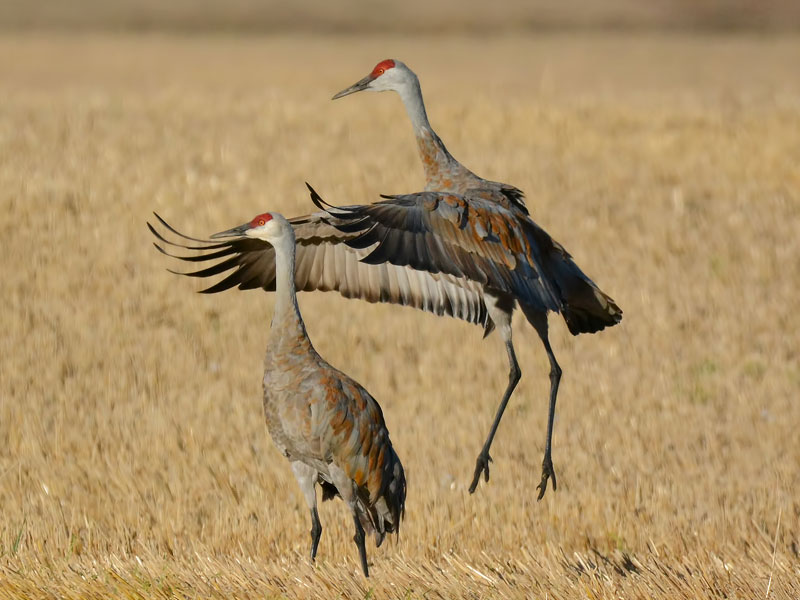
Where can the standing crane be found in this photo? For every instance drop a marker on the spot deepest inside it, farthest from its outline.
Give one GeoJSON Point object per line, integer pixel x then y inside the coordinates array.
{"type": "Point", "coordinates": [443, 173]}
{"type": "Point", "coordinates": [463, 256]}
{"type": "Point", "coordinates": [327, 425]}
{"type": "Point", "coordinates": [488, 208]}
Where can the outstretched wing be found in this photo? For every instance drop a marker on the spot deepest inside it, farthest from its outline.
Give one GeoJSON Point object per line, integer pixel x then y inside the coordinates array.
{"type": "Point", "coordinates": [325, 262]}
{"type": "Point", "coordinates": [465, 236]}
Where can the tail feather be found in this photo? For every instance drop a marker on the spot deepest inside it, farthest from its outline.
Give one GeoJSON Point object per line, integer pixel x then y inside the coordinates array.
{"type": "Point", "coordinates": [383, 515]}
{"type": "Point", "coordinates": [590, 311]}
{"type": "Point", "coordinates": [392, 503]}
{"type": "Point", "coordinates": [584, 306]}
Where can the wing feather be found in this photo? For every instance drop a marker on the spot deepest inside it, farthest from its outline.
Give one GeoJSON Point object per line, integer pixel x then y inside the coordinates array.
{"type": "Point", "coordinates": [461, 236]}
{"type": "Point", "coordinates": [325, 262]}
{"type": "Point", "coordinates": [484, 236]}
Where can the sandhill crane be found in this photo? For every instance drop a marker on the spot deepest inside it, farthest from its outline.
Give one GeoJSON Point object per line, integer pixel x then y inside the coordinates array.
{"type": "Point", "coordinates": [327, 425]}
{"type": "Point", "coordinates": [443, 173]}
{"type": "Point", "coordinates": [462, 256]}
{"type": "Point", "coordinates": [475, 237]}
{"type": "Point", "coordinates": [503, 204]}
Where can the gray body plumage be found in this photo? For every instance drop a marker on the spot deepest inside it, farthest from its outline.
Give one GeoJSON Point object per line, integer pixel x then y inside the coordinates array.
{"type": "Point", "coordinates": [492, 229]}
{"type": "Point", "coordinates": [320, 417]}
{"type": "Point", "coordinates": [325, 423]}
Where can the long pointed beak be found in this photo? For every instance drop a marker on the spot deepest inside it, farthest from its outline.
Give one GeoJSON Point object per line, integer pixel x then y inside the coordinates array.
{"type": "Point", "coordinates": [356, 87]}
{"type": "Point", "coordinates": [235, 232]}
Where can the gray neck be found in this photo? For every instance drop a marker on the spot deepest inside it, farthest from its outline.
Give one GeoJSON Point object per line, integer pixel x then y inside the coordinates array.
{"type": "Point", "coordinates": [287, 313]}
{"type": "Point", "coordinates": [411, 95]}
{"type": "Point", "coordinates": [431, 148]}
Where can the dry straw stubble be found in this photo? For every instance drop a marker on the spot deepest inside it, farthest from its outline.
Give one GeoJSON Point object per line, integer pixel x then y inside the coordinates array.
{"type": "Point", "coordinates": [133, 456]}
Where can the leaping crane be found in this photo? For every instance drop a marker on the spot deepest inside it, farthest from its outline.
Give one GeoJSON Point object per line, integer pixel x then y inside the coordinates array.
{"type": "Point", "coordinates": [464, 195]}
{"type": "Point", "coordinates": [511, 258]}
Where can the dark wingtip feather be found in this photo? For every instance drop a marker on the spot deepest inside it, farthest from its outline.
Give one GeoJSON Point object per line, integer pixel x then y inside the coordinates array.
{"type": "Point", "coordinates": [207, 244]}
{"type": "Point", "coordinates": [152, 229]}
{"type": "Point", "coordinates": [341, 211]}
{"type": "Point", "coordinates": [178, 233]}
{"type": "Point", "coordinates": [317, 199]}
{"type": "Point", "coordinates": [355, 225]}
{"type": "Point", "coordinates": [221, 286]}
{"type": "Point", "coordinates": [364, 240]}
{"type": "Point", "coordinates": [215, 269]}
{"type": "Point", "coordinates": [197, 258]}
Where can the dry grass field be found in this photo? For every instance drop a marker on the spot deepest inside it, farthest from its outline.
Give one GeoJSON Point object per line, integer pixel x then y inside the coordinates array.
{"type": "Point", "coordinates": [134, 460]}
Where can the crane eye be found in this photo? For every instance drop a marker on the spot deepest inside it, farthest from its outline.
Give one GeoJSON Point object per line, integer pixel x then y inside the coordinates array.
{"type": "Point", "coordinates": [261, 222]}
{"type": "Point", "coordinates": [380, 71]}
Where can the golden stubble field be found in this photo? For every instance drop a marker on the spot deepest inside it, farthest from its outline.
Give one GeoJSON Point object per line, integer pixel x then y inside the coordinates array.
{"type": "Point", "coordinates": [134, 461]}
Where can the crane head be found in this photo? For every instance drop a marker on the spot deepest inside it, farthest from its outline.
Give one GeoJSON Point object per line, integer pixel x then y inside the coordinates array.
{"type": "Point", "coordinates": [387, 75]}
{"type": "Point", "coordinates": [268, 226]}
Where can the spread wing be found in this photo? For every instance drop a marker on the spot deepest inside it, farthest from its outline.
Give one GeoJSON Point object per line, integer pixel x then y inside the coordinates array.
{"type": "Point", "coordinates": [465, 236]}
{"type": "Point", "coordinates": [325, 262]}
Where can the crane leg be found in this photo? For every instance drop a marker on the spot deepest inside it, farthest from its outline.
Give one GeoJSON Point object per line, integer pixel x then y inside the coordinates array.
{"type": "Point", "coordinates": [346, 489]}
{"type": "Point", "coordinates": [514, 375]}
{"type": "Point", "coordinates": [316, 532]}
{"type": "Point", "coordinates": [307, 478]}
{"type": "Point", "coordinates": [539, 322]}
{"type": "Point", "coordinates": [358, 538]}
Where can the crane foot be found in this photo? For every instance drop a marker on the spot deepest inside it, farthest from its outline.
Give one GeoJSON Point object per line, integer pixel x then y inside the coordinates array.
{"type": "Point", "coordinates": [547, 473]}
{"type": "Point", "coordinates": [481, 466]}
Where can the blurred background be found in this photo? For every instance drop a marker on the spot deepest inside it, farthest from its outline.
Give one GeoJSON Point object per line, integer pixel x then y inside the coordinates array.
{"type": "Point", "coordinates": [411, 16]}
{"type": "Point", "coordinates": [658, 141]}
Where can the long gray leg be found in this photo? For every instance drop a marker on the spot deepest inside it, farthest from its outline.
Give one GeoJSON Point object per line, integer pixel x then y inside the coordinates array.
{"type": "Point", "coordinates": [539, 322]}
{"type": "Point", "coordinates": [501, 315]}
{"type": "Point", "coordinates": [307, 478]}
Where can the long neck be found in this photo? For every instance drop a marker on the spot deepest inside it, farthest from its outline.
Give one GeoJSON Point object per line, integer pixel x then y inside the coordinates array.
{"type": "Point", "coordinates": [411, 94]}
{"type": "Point", "coordinates": [439, 165]}
{"type": "Point", "coordinates": [287, 324]}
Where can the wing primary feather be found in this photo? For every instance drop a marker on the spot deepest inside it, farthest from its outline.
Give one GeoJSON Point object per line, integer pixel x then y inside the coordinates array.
{"type": "Point", "coordinates": [354, 226]}
{"type": "Point", "coordinates": [224, 284]}
{"type": "Point", "coordinates": [208, 245]}
{"type": "Point", "coordinates": [199, 257]}
{"type": "Point", "coordinates": [216, 269]}
{"type": "Point", "coordinates": [178, 233]}
{"type": "Point", "coordinates": [326, 206]}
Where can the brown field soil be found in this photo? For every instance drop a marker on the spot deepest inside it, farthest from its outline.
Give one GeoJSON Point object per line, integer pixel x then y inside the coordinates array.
{"type": "Point", "coordinates": [134, 460]}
